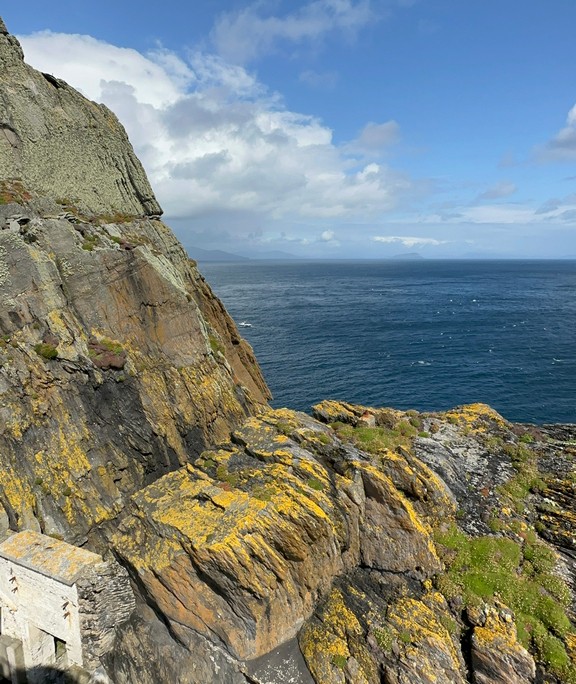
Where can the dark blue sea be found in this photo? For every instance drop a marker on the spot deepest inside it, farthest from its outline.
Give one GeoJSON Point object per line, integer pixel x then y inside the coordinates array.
{"type": "Point", "coordinates": [427, 335]}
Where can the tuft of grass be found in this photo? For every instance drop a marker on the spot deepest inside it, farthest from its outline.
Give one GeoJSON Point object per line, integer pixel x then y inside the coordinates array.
{"type": "Point", "coordinates": [377, 439]}
{"type": "Point", "coordinates": [322, 437]}
{"type": "Point", "coordinates": [13, 190]}
{"type": "Point", "coordinates": [226, 477]}
{"type": "Point", "coordinates": [111, 346]}
{"type": "Point", "coordinates": [284, 428]}
{"type": "Point", "coordinates": [90, 242]}
{"type": "Point", "coordinates": [316, 484]}
{"type": "Point", "coordinates": [215, 344]}
{"type": "Point", "coordinates": [340, 661]}
{"type": "Point", "coordinates": [262, 492]}
{"type": "Point", "coordinates": [384, 638]}
{"type": "Point", "coordinates": [46, 351]}
{"type": "Point", "coordinates": [115, 217]}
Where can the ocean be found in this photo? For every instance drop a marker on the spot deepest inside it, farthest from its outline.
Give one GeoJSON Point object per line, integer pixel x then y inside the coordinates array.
{"type": "Point", "coordinates": [427, 335]}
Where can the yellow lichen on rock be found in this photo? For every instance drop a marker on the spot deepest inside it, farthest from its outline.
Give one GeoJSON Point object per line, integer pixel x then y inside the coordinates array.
{"type": "Point", "coordinates": [478, 417]}
{"type": "Point", "coordinates": [424, 644]}
{"type": "Point", "coordinates": [495, 648]}
{"type": "Point", "coordinates": [325, 642]}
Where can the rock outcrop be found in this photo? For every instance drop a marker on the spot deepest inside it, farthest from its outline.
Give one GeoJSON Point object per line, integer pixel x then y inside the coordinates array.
{"type": "Point", "coordinates": [358, 547]}
{"type": "Point", "coordinates": [56, 144]}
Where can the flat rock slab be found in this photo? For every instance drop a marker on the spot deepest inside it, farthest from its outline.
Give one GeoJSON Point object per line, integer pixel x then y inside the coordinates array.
{"type": "Point", "coordinates": [283, 665]}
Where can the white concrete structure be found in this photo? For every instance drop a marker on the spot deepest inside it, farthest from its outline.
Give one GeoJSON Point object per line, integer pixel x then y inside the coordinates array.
{"type": "Point", "coordinates": [48, 613]}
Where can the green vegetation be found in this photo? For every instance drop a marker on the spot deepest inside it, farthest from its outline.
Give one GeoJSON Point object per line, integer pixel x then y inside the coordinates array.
{"type": "Point", "coordinates": [215, 344]}
{"type": "Point", "coordinates": [110, 345]}
{"type": "Point", "coordinates": [405, 637]}
{"type": "Point", "coordinates": [384, 638]}
{"type": "Point", "coordinates": [262, 492]}
{"type": "Point", "coordinates": [13, 191]}
{"type": "Point", "coordinates": [481, 568]}
{"type": "Point", "coordinates": [116, 217]}
{"type": "Point", "coordinates": [90, 242]}
{"type": "Point", "coordinates": [377, 439]}
{"type": "Point", "coordinates": [316, 484]}
{"type": "Point", "coordinates": [46, 351]}
{"type": "Point", "coordinates": [224, 475]}
{"type": "Point", "coordinates": [322, 437]}
{"type": "Point", "coordinates": [340, 661]}
{"type": "Point", "coordinates": [284, 428]}
{"type": "Point", "coordinates": [527, 478]}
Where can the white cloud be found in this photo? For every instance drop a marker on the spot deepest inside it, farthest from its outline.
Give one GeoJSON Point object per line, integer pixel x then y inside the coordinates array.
{"type": "Point", "coordinates": [552, 211]}
{"type": "Point", "coordinates": [408, 241]}
{"type": "Point", "coordinates": [242, 36]}
{"type": "Point", "coordinates": [214, 140]}
{"type": "Point", "coordinates": [84, 62]}
{"type": "Point", "coordinates": [327, 235]}
{"type": "Point", "coordinates": [562, 147]}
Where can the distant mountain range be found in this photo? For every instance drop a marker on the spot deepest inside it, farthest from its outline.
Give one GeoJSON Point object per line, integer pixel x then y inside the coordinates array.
{"type": "Point", "coordinates": [200, 254]}
{"type": "Point", "coordinates": [408, 256]}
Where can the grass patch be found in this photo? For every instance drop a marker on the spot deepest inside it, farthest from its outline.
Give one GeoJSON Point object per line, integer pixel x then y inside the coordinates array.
{"type": "Point", "coordinates": [224, 475]}
{"type": "Point", "coordinates": [13, 191]}
{"type": "Point", "coordinates": [46, 351]}
{"type": "Point", "coordinates": [284, 428]}
{"type": "Point", "coordinates": [115, 217]}
{"type": "Point", "coordinates": [479, 568]}
{"type": "Point", "coordinates": [111, 346]}
{"type": "Point", "coordinates": [322, 437]}
{"type": "Point", "coordinates": [263, 492]}
{"type": "Point", "coordinates": [340, 661]}
{"type": "Point", "coordinates": [378, 439]}
{"type": "Point", "coordinates": [215, 344]}
{"type": "Point", "coordinates": [316, 484]}
{"type": "Point", "coordinates": [384, 638]}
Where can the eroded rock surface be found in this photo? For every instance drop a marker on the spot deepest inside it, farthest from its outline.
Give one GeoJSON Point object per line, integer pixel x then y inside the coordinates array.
{"type": "Point", "coordinates": [58, 145]}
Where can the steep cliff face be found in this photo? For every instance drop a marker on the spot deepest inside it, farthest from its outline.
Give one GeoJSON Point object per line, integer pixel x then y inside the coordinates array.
{"type": "Point", "coordinates": [264, 546]}
{"type": "Point", "coordinates": [117, 363]}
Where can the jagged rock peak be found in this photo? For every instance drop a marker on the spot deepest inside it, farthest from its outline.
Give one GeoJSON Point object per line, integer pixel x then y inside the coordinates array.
{"type": "Point", "coordinates": [57, 145]}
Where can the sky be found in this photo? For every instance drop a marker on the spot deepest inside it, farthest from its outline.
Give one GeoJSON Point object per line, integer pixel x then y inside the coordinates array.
{"type": "Point", "coordinates": [336, 128]}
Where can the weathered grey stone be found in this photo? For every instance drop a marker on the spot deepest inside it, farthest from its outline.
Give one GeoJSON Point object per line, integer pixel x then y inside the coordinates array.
{"type": "Point", "coordinates": [56, 143]}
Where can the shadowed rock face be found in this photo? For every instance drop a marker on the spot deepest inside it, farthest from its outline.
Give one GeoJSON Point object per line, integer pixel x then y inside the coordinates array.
{"type": "Point", "coordinates": [263, 546]}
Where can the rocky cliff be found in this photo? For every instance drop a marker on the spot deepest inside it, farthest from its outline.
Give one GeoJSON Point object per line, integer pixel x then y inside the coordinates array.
{"type": "Point", "coordinates": [117, 363]}
{"type": "Point", "coordinates": [362, 546]}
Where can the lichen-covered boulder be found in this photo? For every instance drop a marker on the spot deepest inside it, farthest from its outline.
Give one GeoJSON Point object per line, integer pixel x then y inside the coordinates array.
{"type": "Point", "coordinates": [497, 656]}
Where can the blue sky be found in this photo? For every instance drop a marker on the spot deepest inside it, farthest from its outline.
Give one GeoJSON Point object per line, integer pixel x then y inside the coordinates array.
{"type": "Point", "coordinates": [337, 128]}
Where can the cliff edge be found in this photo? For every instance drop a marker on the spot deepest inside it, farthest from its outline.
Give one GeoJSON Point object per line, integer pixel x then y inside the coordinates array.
{"type": "Point", "coordinates": [117, 362]}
